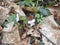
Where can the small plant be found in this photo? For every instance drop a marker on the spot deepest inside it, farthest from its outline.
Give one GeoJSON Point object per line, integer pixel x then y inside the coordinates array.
{"type": "Point", "coordinates": [38, 7]}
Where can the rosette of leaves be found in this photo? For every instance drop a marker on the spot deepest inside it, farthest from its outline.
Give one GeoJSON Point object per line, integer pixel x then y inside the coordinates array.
{"type": "Point", "coordinates": [31, 3]}
{"type": "Point", "coordinates": [42, 13]}
{"type": "Point", "coordinates": [38, 7]}
{"type": "Point", "coordinates": [39, 18]}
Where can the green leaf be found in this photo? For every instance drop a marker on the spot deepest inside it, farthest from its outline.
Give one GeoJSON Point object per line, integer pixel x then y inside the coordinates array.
{"type": "Point", "coordinates": [52, 2]}
{"type": "Point", "coordinates": [21, 3]}
{"type": "Point", "coordinates": [44, 11]}
{"type": "Point", "coordinates": [28, 1]}
{"type": "Point", "coordinates": [37, 15]}
{"type": "Point", "coordinates": [39, 18]}
{"type": "Point", "coordinates": [24, 19]}
{"type": "Point", "coordinates": [40, 0]}
{"type": "Point", "coordinates": [11, 19]}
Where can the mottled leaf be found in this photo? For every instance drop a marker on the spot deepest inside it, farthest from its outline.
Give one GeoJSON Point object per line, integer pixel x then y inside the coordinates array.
{"type": "Point", "coordinates": [11, 19]}
{"type": "Point", "coordinates": [44, 11]}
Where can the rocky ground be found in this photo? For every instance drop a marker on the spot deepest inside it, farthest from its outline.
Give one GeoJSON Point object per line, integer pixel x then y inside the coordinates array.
{"type": "Point", "coordinates": [15, 31]}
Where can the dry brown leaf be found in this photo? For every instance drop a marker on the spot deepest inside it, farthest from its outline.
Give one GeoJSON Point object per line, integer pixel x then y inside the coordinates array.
{"type": "Point", "coordinates": [0, 29]}
{"type": "Point", "coordinates": [3, 14]}
{"type": "Point", "coordinates": [17, 9]}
